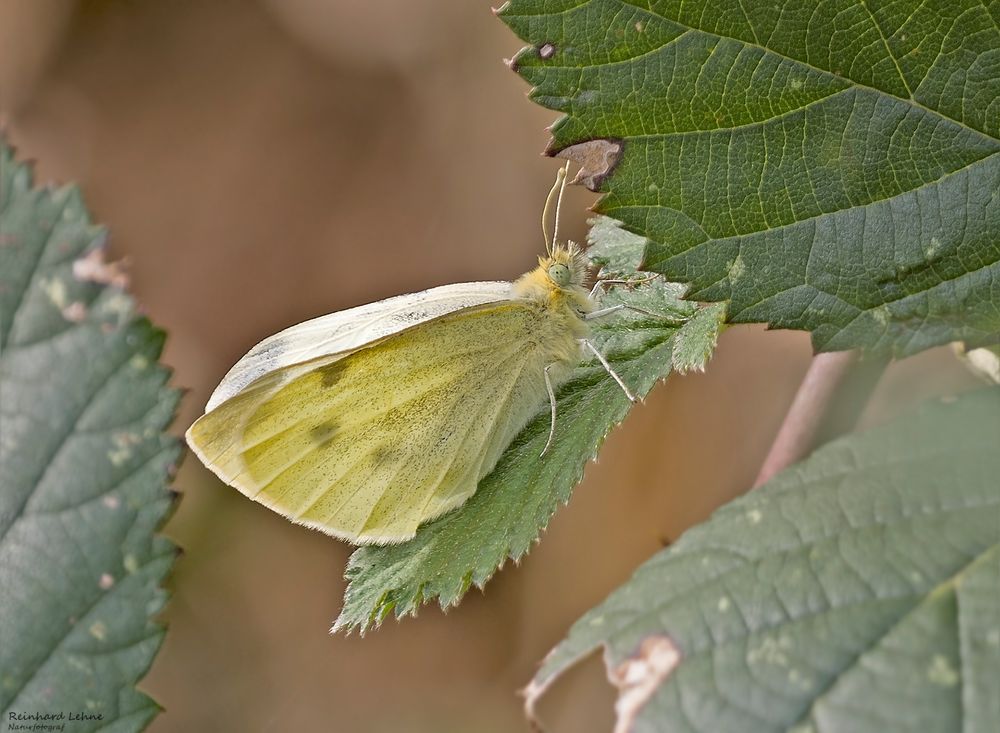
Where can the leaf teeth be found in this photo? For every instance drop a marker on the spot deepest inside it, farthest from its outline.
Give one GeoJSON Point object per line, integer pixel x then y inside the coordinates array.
{"type": "Point", "coordinates": [842, 584]}
{"type": "Point", "coordinates": [875, 225]}
{"type": "Point", "coordinates": [513, 505]}
{"type": "Point", "coordinates": [94, 484]}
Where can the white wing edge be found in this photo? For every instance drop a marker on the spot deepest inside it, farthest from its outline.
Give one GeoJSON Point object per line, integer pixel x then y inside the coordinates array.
{"type": "Point", "coordinates": [348, 330]}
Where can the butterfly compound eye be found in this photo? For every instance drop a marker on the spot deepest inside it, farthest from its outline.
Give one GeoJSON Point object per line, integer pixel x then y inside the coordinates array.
{"type": "Point", "coordinates": [559, 274]}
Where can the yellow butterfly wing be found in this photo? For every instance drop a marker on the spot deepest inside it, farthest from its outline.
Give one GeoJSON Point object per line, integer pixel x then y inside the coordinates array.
{"type": "Point", "coordinates": [369, 445]}
{"type": "Point", "coordinates": [348, 330]}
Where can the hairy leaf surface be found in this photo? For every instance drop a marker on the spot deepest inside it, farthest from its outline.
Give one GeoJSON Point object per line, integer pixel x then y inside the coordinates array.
{"type": "Point", "coordinates": [83, 467]}
{"type": "Point", "coordinates": [857, 591]}
{"type": "Point", "coordinates": [831, 166]}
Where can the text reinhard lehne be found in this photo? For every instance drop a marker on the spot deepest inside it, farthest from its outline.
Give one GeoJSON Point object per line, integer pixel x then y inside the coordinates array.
{"type": "Point", "coordinates": [39, 721]}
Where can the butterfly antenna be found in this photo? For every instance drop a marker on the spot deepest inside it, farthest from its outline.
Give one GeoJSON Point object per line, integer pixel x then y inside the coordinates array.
{"type": "Point", "coordinates": [555, 196]}
{"type": "Point", "coordinates": [561, 180]}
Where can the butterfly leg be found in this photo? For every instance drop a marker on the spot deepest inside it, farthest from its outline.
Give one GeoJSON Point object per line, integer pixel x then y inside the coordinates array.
{"type": "Point", "coordinates": [602, 312]}
{"type": "Point", "coordinates": [552, 406]}
{"type": "Point", "coordinates": [614, 281]}
{"type": "Point", "coordinates": [604, 362]}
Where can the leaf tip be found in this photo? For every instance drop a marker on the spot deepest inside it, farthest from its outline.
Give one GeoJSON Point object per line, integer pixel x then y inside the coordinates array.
{"type": "Point", "coordinates": [531, 694]}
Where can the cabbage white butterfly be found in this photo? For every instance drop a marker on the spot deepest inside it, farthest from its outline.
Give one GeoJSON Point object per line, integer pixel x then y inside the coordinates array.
{"type": "Point", "coordinates": [368, 422]}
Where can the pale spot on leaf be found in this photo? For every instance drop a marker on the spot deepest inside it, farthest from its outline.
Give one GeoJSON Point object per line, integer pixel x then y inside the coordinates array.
{"type": "Point", "coordinates": [75, 312]}
{"type": "Point", "coordinates": [940, 672]}
{"type": "Point", "coordinates": [92, 268]}
{"type": "Point", "coordinates": [797, 679]}
{"type": "Point", "coordinates": [116, 308]}
{"type": "Point", "coordinates": [56, 290]}
{"type": "Point", "coordinates": [123, 447]}
{"type": "Point", "coordinates": [768, 652]}
{"type": "Point", "coordinates": [737, 269]}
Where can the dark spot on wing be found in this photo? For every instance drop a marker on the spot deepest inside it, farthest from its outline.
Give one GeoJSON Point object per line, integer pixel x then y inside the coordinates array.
{"type": "Point", "coordinates": [323, 433]}
{"type": "Point", "coordinates": [271, 350]}
{"type": "Point", "coordinates": [265, 361]}
{"type": "Point", "coordinates": [382, 455]}
{"type": "Point", "coordinates": [409, 316]}
{"type": "Point", "coordinates": [331, 373]}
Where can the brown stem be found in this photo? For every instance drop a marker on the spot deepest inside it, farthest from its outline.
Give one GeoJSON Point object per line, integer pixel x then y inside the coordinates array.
{"type": "Point", "coordinates": [828, 403]}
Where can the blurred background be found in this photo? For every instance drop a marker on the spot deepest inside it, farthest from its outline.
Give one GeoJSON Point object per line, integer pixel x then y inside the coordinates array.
{"type": "Point", "coordinates": [266, 161]}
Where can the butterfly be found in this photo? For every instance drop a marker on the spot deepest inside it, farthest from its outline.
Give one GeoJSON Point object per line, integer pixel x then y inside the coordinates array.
{"type": "Point", "coordinates": [368, 422]}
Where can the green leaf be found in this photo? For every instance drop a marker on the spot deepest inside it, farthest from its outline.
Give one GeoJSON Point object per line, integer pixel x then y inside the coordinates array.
{"type": "Point", "coordinates": [83, 465]}
{"type": "Point", "coordinates": [513, 504]}
{"type": "Point", "coordinates": [857, 591]}
{"type": "Point", "coordinates": [831, 167]}
{"type": "Point", "coordinates": [619, 254]}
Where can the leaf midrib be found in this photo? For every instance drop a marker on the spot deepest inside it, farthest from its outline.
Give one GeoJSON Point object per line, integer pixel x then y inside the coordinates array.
{"type": "Point", "coordinates": [32, 273]}
{"type": "Point", "coordinates": [825, 72]}
{"type": "Point", "coordinates": [406, 599]}
{"type": "Point", "coordinates": [60, 445]}
{"type": "Point", "coordinates": [84, 615]}
{"type": "Point", "coordinates": [948, 584]}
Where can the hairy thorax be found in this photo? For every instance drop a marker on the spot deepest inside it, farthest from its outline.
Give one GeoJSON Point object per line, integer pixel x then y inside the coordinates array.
{"type": "Point", "coordinates": [561, 308]}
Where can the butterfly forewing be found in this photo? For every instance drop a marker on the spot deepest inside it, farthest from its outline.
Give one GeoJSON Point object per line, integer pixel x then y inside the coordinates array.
{"type": "Point", "coordinates": [347, 330]}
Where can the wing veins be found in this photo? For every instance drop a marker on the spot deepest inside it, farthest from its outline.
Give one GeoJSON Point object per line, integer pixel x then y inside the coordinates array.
{"type": "Point", "coordinates": [293, 426]}
{"type": "Point", "coordinates": [320, 493]}
{"type": "Point", "coordinates": [473, 471]}
{"type": "Point", "coordinates": [432, 488]}
{"type": "Point", "coordinates": [484, 449]}
{"type": "Point", "coordinates": [355, 426]}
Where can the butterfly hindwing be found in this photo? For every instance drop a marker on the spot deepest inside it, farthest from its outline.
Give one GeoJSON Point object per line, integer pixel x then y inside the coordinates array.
{"type": "Point", "coordinates": [369, 445]}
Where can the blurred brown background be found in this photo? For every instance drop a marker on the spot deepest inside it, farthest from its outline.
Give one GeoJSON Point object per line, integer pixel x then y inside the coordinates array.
{"type": "Point", "coordinates": [263, 162]}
